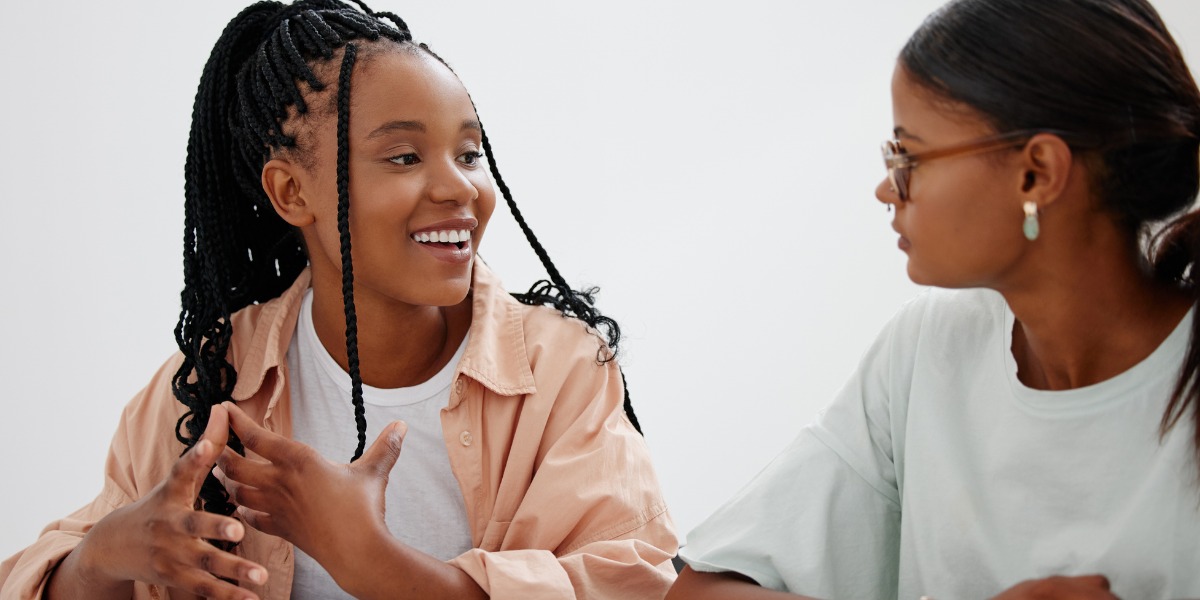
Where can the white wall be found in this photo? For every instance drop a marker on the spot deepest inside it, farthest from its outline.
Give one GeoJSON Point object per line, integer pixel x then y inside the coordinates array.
{"type": "Point", "coordinates": [710, 165]}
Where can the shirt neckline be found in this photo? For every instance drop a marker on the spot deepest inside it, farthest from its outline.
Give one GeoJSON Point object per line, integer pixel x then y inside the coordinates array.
{"type": "Point", "coordinates": [1163, 363]}
{"type": "Point", "coordinates": [403, 396]}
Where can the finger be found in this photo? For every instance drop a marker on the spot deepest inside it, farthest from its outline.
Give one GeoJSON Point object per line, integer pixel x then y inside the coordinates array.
{"type": "Point", "coordinates": [226, 565]}
{"type": "Point", "coordinates": [262, 522]}
{"type": "Point", "coordinates": [206, 585]}
{"type": "Point", "coordinates": [190, 470]}
{"type": "Point", "coordinates": [1096, 581]}
{"type": "Point", "coordinates": [199, 524]}
{"type": "Point", "coordinates": [383, 453]}
{"type": "Point", "coordinates": [217, 430]}
{"type": "Point", "coordinates": [245, 470]}
{"type": "Point", "coordinates": [253, 436]}
{"type": "Point", "coordinates": [247, 496]}
{"type": "Point", "coordinates": [217, 434]}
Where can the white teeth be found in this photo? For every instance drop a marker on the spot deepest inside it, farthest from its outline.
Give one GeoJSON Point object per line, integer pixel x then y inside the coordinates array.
{"type": "Point", "coordinates": [445, 237]}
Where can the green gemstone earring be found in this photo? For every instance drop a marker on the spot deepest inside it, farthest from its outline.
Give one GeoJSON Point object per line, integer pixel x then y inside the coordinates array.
{"type": "Point", "coordinates": [1031, 227]}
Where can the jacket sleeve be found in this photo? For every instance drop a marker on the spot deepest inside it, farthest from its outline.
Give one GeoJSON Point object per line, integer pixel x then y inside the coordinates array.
{"type": "Point", "coordinates": [140, 455]}
{"type": "Point", "coordinates": [592, 523]}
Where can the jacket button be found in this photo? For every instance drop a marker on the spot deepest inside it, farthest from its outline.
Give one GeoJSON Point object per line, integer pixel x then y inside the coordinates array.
{"type": "Point", "coordinates": [466, 438]}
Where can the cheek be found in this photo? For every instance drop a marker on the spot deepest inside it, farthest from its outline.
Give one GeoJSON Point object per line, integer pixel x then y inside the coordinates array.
{"type": "Point", "coordinates": [485, 203]}
{"type": "Point", "coordinates": [960, 230]}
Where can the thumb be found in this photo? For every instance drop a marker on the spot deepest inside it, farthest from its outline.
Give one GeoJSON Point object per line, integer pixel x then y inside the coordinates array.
{"type": "Point", "coordinates": [385, 450]}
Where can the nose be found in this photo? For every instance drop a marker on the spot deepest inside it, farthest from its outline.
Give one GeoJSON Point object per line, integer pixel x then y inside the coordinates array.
{"type": "Point", "coordinates": [885, 193]}
{"type": "Point", "coordinates": [448, 183]}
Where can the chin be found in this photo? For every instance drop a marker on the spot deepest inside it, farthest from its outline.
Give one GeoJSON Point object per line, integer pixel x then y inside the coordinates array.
{"type": "Point", "coordinates": [924, 276]}
{"type": "Point", "coordinates": [449, 293]}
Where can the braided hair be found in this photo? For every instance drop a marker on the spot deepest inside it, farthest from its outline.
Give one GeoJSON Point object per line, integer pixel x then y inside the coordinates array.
{"type": "Point", "coordinates": [236, 250]}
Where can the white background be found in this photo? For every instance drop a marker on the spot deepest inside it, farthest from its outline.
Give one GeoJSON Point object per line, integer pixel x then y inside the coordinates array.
{"type": "Point", "coordinates": [710, 165]}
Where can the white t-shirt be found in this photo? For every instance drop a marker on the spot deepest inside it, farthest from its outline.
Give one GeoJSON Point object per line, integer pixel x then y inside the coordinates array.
{"type": "Point", "coordinates": [425, 507]}
{"type": "Point", "coordinates": [937, 472]}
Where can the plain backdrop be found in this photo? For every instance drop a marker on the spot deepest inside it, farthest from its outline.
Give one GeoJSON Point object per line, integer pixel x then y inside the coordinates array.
{"type": "Point", "coordinates": [710, 165]}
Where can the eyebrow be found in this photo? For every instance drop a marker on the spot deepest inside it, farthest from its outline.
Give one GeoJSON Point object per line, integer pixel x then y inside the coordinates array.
{"type": "Point", "coordinates": [391, 126]}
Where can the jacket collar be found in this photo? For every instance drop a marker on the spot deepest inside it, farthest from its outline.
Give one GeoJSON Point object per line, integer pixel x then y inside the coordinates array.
{"type": "Point", "coordinates": [495, 355]}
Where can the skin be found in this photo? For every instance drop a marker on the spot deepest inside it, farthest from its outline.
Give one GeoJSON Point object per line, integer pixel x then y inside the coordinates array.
{"type": "Point", "coordinates": [401, 180]}
{"type": "Point", "coordinates": [1085, 310]}
{"type": "Point", "coordinates": [158, 539]}
{"type": "Point", "coordinates": [415, 145]}
{"type": "Point", "coordinates": [414, 162]}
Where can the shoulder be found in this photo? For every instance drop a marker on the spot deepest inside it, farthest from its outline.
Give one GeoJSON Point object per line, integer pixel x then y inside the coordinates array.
{"type": "Point", "coordinates": [939, 313]}
{"type": "Point", "coordinates": [551, 337]}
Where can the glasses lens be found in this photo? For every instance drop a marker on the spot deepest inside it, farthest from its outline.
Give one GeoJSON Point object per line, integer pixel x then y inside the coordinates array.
{"type": "Point", "coordinates": [897, 175]}
{"type": "Point", "coordinates": [900, 181]}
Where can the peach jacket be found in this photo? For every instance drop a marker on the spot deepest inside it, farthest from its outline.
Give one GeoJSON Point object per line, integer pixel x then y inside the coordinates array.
{"type": "Point", "coordinates": [560, 493]}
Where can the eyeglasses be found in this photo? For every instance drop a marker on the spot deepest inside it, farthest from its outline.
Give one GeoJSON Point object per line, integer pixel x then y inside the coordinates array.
{"type": "Point", "coordinates": [900, 164]}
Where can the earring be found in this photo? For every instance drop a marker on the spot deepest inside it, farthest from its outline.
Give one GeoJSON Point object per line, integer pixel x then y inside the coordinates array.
{"type": "Point", "coordinates": [1031, 227]}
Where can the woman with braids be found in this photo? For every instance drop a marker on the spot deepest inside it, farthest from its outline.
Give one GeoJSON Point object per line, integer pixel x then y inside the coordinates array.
{"type": "Point", "coordinates": [336, 196]}
{"type": "Point", "coordinates": [1035, 437]}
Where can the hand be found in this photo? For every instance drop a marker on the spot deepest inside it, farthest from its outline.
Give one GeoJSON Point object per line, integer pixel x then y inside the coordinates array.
{"type": "Point", "coordinates": [160, 538]}
{"type": "Point", "coordinates": [1083, 587]}
{"type": "Point", "coordinates": [325, 508]}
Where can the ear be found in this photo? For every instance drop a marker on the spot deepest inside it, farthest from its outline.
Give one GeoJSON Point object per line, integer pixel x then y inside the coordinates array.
{"type": "Point", "coordinates": [281, 181]}
{"type": "Point", "coordinates": [1045, 169]}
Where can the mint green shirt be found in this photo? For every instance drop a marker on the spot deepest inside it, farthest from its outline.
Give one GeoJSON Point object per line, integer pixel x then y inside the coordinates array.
{"type": "Point", "coordinates": [937, 472]}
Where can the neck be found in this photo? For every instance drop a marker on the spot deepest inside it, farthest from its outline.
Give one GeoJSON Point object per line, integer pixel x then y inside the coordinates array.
{"type": "Point", "coordinates": [399, 344]}
{"type": "Point", "coordinates": [1088, 311]}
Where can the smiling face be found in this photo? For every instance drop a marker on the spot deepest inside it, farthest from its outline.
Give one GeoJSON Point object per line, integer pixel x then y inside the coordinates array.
{"type": "Point", "coordinates": [961, 224]}
{"type": "Point", "coordinates": [420, 197]}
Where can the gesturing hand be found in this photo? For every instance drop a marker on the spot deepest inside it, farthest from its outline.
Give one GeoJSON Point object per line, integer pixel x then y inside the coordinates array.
{"type": "Point", "coordinates": [324, 508]}
{"type": "Point", "coordinates": [160, 538]}
{"type": "Point", "coordinates": [1083, 587]}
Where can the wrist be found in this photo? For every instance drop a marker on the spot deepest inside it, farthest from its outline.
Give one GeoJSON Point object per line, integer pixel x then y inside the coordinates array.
{"type": "Point", "coordinates": [351, 562]}
{"type": "Point", "coordinates": [81, 573]}
{"type": "Point", "coordinates": [93, 564]}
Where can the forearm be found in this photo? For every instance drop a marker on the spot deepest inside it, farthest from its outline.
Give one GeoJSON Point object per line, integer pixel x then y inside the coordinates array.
{"type": "Point", "coordinates": [386, 568]}
{"type": "Point", "coordinates": [76, 577]}
{"type": "Point", "coordinates": [695, 585]}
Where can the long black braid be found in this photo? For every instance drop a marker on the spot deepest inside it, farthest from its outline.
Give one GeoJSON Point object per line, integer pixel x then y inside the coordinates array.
{"type": "Point", "coordinates": [556, 292]}
{"type": "Point", "coordinates": [237, 250]}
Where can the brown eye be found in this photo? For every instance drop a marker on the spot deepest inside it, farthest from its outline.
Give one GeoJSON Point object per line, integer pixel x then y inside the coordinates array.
{"type": "Point", "coordinates": [470, 158]}
{"type": "Point", "coordinates": [405, 159]}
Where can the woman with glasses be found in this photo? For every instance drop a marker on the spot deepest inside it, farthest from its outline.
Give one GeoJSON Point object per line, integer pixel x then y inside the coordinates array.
{"type": "Point", "coordinates": [1031, 429]}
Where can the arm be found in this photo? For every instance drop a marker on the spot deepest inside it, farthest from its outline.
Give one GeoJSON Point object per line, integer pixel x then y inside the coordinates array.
{"type": "Point", "coordinates": [160, 539]}
{"type": "Point", "coordinates": [334, 513]}
{"type": "Point", "coordinates": [823, 518]}
{"type": "Point", "coordinates": [697, 585]}
{"type": "Point", "coordinates": [579, 512]}
{"type": "Point", "coordinates": [146, 505]}
{"type": "Point", "coordinates": [1083, 587]}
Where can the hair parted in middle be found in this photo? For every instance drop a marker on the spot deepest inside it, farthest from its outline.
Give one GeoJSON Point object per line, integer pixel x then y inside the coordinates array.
{"type": "Point", "coordinates": [237, 250]}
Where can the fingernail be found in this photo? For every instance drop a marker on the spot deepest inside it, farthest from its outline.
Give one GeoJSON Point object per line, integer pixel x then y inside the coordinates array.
{"type": "Point", "coordinates": [232, 530]}
{"type": "Point", "coordinates": [202, 447]}
{"type": "Point", "coordinates": [257, 576]}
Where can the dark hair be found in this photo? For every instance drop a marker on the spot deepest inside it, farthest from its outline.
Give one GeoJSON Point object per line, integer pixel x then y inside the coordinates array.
{"type": "Point", "coordinates": [237, 250]}
{"type": "Point", "coordinates": [1106, 69]}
